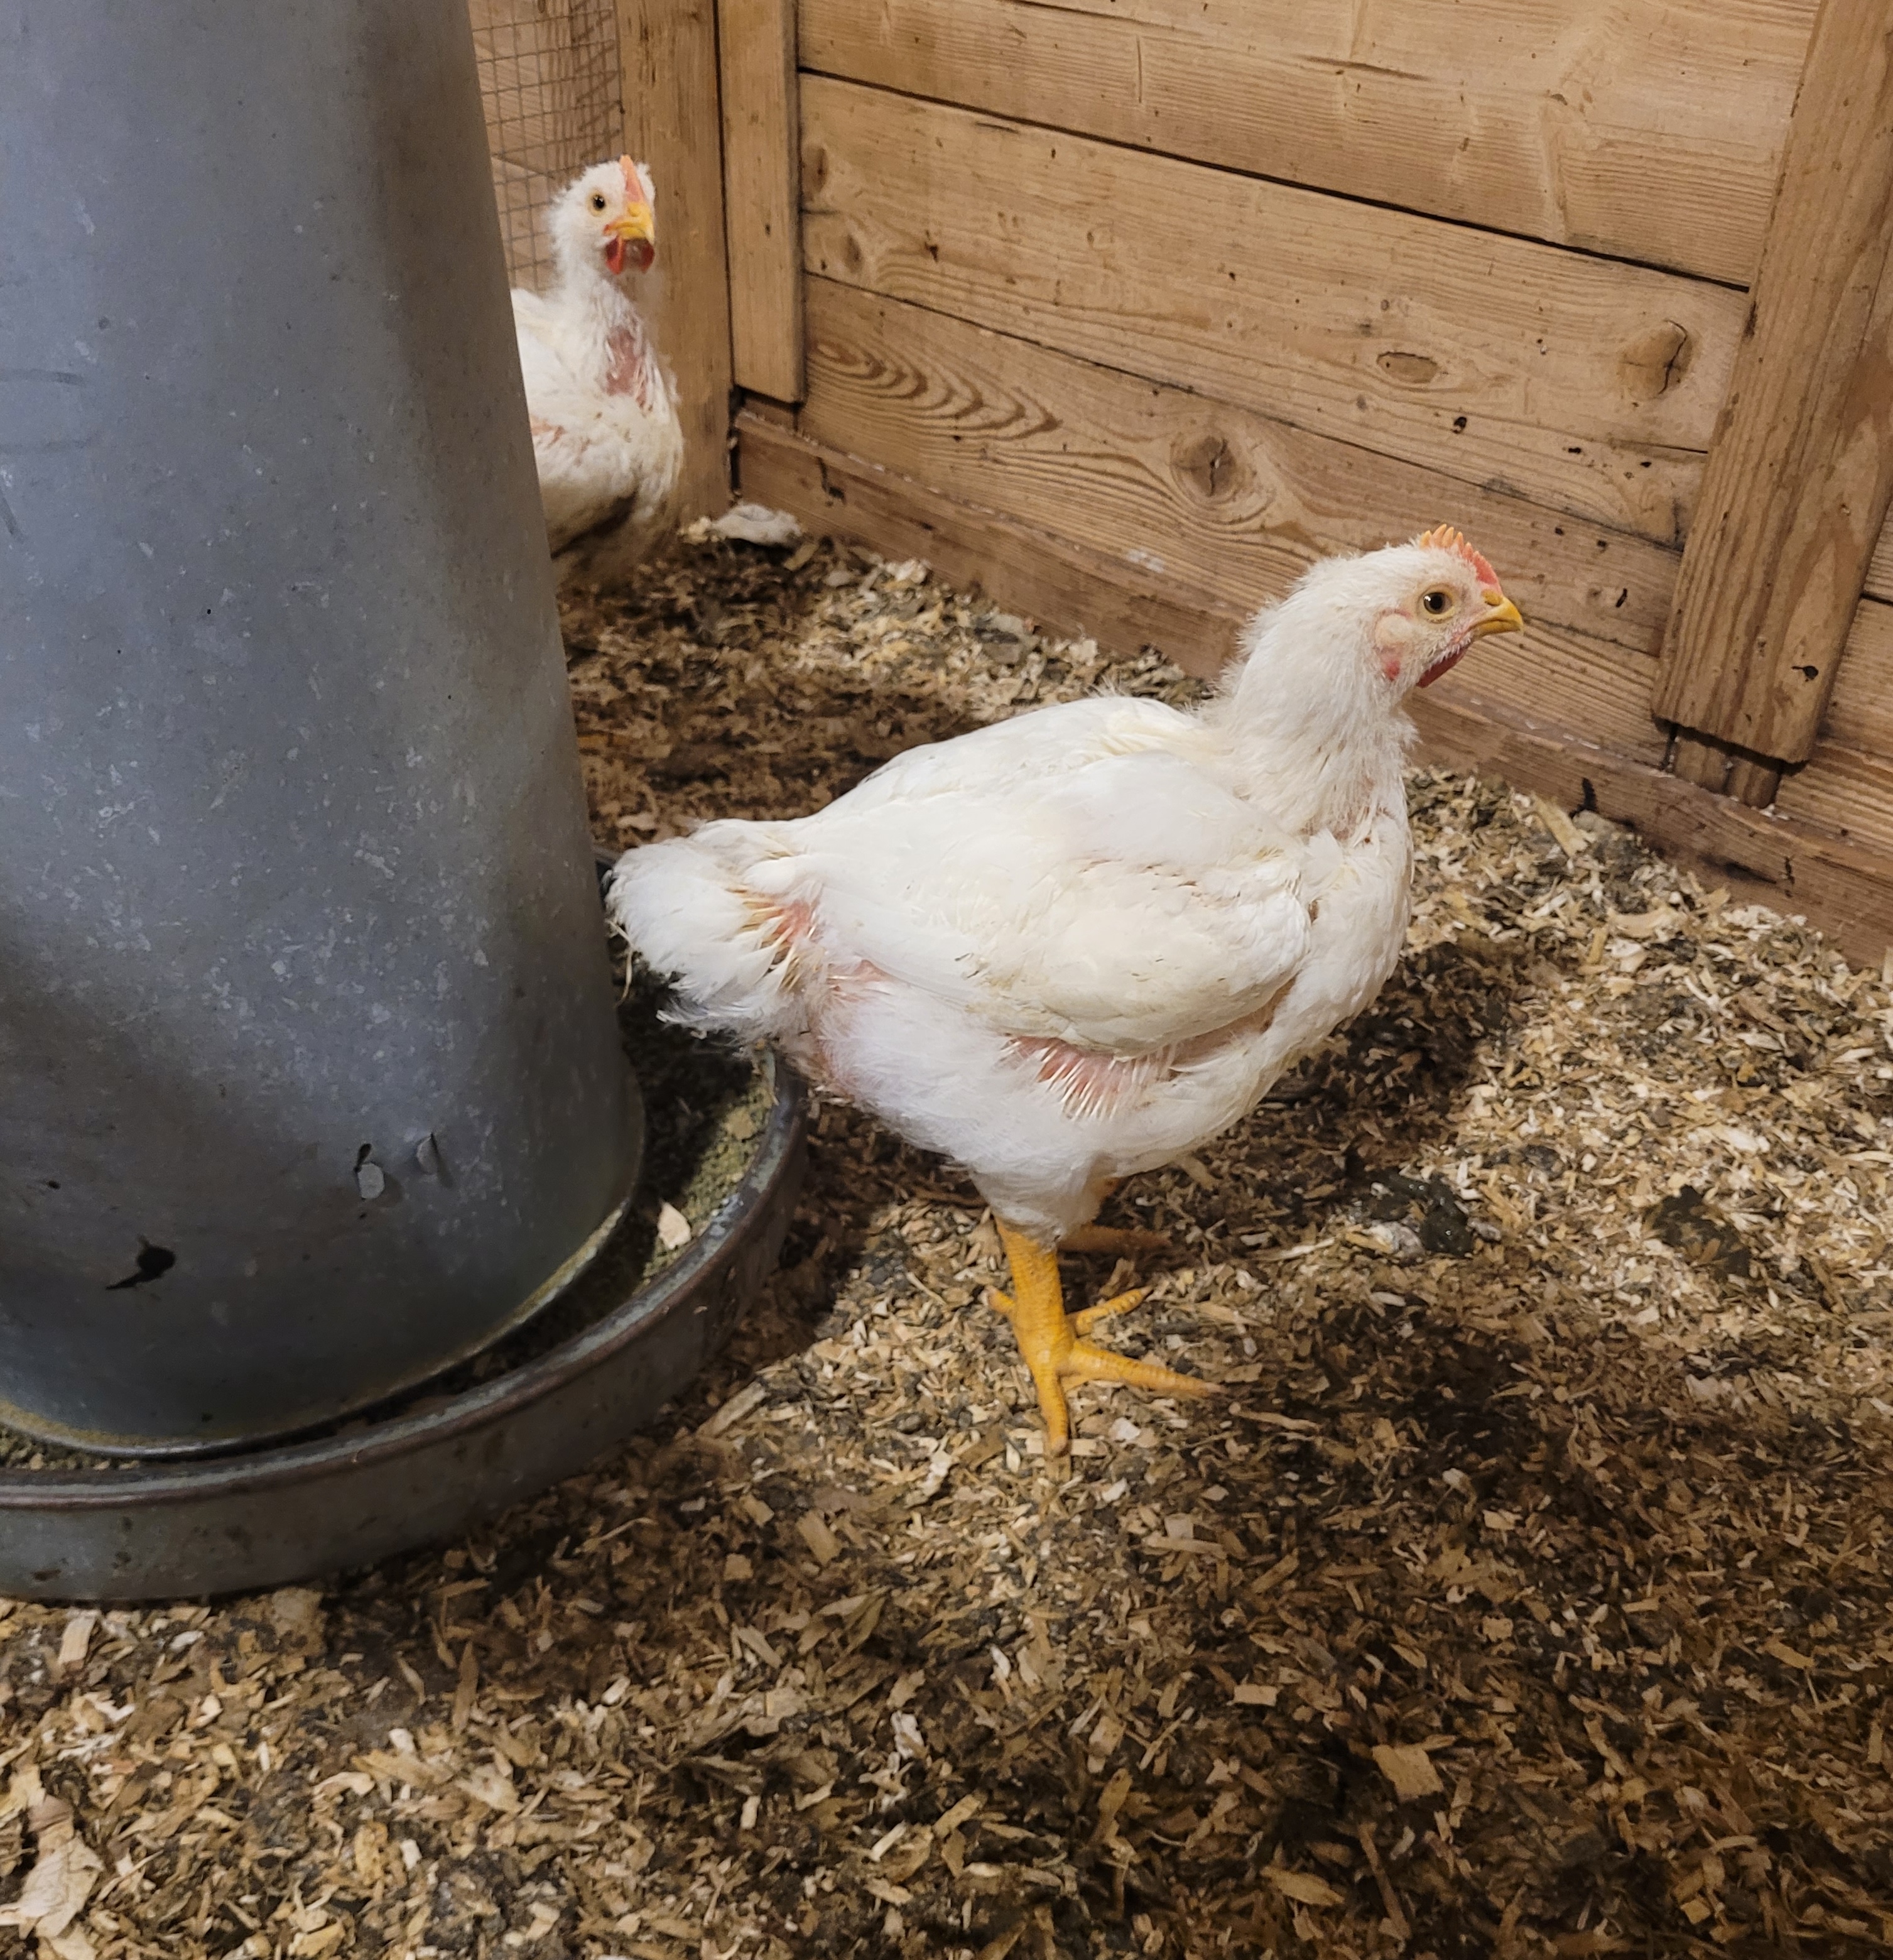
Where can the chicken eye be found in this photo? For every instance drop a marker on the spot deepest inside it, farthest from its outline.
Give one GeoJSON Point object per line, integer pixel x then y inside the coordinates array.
{"type": "Point", "coordinates": [1435, 604]}
{"type": "Point", "coordinates": [598, 202]}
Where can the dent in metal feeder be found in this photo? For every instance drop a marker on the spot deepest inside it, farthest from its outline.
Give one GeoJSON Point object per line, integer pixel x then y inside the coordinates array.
{"type": "Point", "coordinates": [311, 1081]}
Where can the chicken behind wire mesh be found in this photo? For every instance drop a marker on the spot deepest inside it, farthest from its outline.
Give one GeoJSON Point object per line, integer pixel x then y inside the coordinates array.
{"type": "Point", "coordinates": [606, 437]}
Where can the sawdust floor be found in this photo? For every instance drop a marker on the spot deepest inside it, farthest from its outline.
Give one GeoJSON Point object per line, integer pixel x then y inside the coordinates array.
{"type": "Point", "coordinates": [1525, 1591]}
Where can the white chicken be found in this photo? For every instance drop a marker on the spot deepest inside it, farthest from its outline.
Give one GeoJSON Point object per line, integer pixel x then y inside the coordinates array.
{"type": "Point", "coordinates": [605, 433]}
{"type": "Point", "coordinates": [1077, 944]}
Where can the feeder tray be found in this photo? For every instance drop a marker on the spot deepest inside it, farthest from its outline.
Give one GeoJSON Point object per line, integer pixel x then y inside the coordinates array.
{"type": "Point", "coordinates": [262, 1518]}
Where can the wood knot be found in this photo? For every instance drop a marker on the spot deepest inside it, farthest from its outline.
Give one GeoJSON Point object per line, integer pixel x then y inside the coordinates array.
{"type": "Point", "coordinates": [1208, 465]}
{"type": "Point", "coordinates": [1655, 362]}
{"type": "Point", "coordinates": [1410, 370]}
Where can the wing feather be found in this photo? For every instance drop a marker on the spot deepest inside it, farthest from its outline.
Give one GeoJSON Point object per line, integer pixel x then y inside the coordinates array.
{"type": "Point", "coordinates": [1122, 900]}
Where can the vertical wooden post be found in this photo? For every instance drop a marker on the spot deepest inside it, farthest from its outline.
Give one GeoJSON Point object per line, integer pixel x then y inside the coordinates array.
{"type": "Point", "coordinates": [1800, 470]}
{"type": "Point", "coordinates": [762, 194]}
{"type": "Point", "coordinates": [672, 122]}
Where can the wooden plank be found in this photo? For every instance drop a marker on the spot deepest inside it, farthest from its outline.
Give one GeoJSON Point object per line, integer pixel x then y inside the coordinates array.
{"type": "Point", "coordinates": [1029, 571]}
{"type": "Point", "coordinates": [761, 194]}
{"type": "Point", "coordinates": [1224, 500]}
{"type": "Point", "coordinates": [1879, 571]}
{"type": "Point", "coordinates": [1795, 492]}
{"type": "Point", "coordinates": [1842, 887]}
{"type": "Point", "coordinates": [1582, 383]}
{"type": "Point", "coordinates": [1648, 129]}
{"type": "Point", "coordinates": [1763, 856]}
{"type": "Point", "coordinates": [1846, 790]}
{"type": "Point", "coordinates": [1730, 772]}
{"type": "Point", "coordinates": [1860, 714]}
{"type": "Point", "coordinates": [1229, 499]}
{"type": "Point", "coordinates": [670, 53]}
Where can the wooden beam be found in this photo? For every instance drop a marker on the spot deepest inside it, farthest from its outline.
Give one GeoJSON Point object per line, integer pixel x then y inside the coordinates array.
{"type": "Point", "coordinates": [763, 193]}
{"type": "Point", "coordinates": [1801, 470]}
{"type": "Point", "coordinates": [1847, 790]}
{"type": "Point", "coordinates": [1879, 571]}
{"type": "Point", "coordinates": [837, 496]}
{"type": "Point", "coordinates": [1841, 887]}
{"type": "Point", "coordinates": [1714, 765]}
{"type": "Point", "coordinates": [1223, 500]}
{"type": "Point", "coordinates": [1587, 385]}
{"type": "Point", "coordinates": [1647, 129]}
{"type": "Point", "coordinates": [1767, 858]}
{"type": "Point", "coordinates": [1861, 711]}
{"type": "Point", "coordinates": [669, 56]}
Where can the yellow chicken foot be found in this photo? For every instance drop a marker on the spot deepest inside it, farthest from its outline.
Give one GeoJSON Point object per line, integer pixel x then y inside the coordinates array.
{"type": "Point", "coordinates": [1050, 1339]}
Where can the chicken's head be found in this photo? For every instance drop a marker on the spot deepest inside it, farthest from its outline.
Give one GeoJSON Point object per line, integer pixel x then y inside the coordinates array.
{"type": "Point", "coordinates": [1332, 664]}
{"type": "Point", "coordinates": [1434, 598]}
{"type": "Point", "coordinates": [606, 220]}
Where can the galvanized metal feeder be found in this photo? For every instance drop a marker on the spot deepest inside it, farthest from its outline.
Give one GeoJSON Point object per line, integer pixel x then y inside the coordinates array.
{"type": "Point", "coordinates": [312, 1079]}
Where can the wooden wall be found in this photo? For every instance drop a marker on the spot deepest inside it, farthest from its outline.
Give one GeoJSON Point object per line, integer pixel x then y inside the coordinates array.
{"type": "Point", "coordinates": [1129, 309]}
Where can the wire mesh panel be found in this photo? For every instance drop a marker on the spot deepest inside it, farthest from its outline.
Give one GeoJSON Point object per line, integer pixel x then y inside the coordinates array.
{"type": "Point", "coordinates": [549, 82]}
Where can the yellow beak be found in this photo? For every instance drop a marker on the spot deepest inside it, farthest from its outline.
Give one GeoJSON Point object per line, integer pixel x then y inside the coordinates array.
{"type": "Point", "coordinates": [638, 221]}
{"type": "Point", "coordinates": [1504, 617]}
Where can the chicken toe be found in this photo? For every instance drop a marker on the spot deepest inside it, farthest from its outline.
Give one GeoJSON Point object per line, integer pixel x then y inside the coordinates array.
{"type": "Point", "coordinates": [1123, 1241]}
{"type": "Point", "coordinates": [1083, 1322]}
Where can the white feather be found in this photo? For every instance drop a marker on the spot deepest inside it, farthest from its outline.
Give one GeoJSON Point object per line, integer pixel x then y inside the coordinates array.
{"type": "Point", "coordinates": [755, 524]}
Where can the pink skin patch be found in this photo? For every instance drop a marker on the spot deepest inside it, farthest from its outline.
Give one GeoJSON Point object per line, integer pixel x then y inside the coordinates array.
{"type": "Point", "coordinates": [1393, 635]}
{"type": "Point", "coordinates": [1087, 1082]}
{"type": "Point", "coordinates": [784, 927]}
{"type": "Point", "coordinates": [630, 371]}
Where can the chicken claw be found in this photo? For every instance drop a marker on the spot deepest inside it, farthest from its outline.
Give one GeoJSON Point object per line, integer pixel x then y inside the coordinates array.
{"type": "Point", "coordinates": [1121, 1239]}
{"type": "Point", "coordinates": [1049, 1338]}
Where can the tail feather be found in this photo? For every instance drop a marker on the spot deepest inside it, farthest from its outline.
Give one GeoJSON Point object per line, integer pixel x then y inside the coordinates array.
{"type": "Point", "coordinates": [685, 908]}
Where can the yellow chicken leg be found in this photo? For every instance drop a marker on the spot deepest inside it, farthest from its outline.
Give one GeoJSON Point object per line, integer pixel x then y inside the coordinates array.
{"type": "Point", "coordinates": [1118, 1240]}
{"type": "Point", "coordinates": [1051, 1340]}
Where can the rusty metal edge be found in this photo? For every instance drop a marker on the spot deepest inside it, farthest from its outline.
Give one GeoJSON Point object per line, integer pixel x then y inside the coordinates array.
{"type": "Point", "coordinates": [234, 1524]}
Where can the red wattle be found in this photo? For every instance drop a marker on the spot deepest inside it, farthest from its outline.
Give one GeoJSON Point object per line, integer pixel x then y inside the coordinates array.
{"type": "Point", "coordinates": [1445, 666]}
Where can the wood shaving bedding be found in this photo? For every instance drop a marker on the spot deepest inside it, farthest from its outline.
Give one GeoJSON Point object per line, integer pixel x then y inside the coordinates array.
{"type": "Point", "coordinates": [1524, 1592]}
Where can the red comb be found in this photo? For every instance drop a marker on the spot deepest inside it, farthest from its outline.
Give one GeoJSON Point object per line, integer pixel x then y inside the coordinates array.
{"type": "Point", "coordinates": [634, 180]}
{"type": "Point", "coordinates": [1444, 537]}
